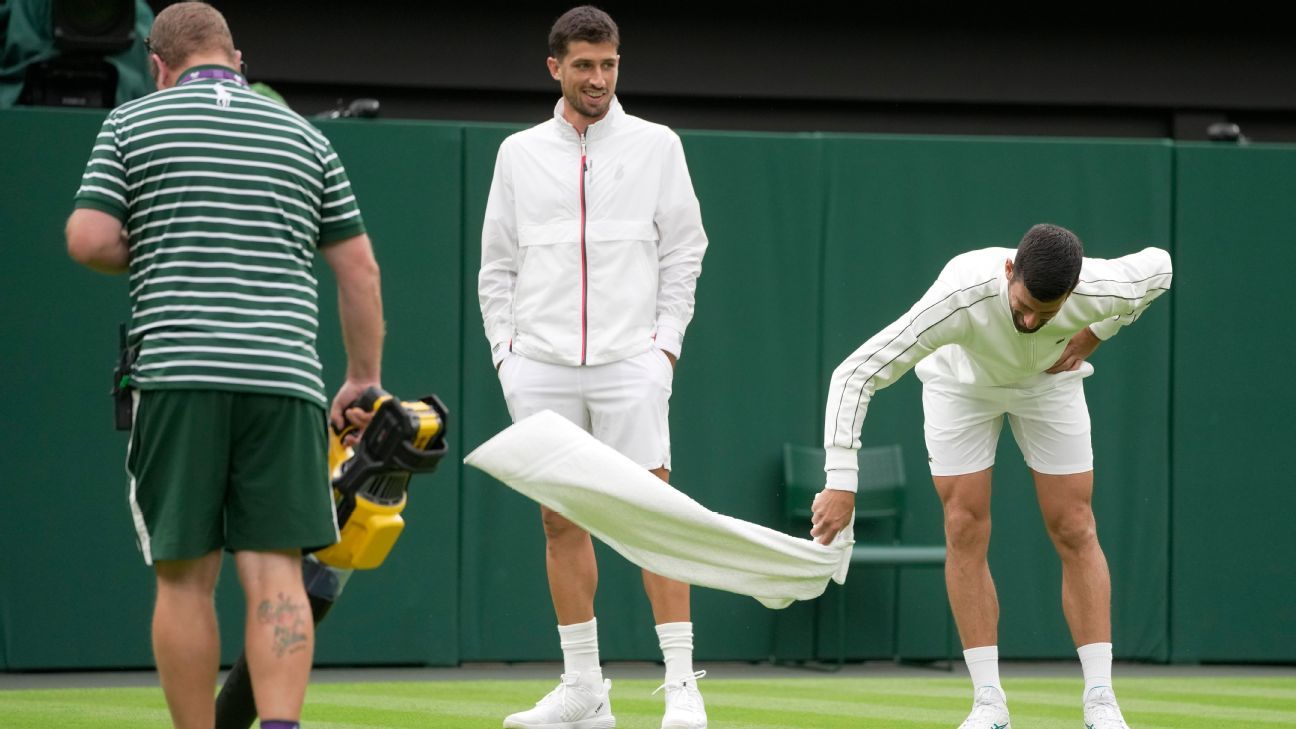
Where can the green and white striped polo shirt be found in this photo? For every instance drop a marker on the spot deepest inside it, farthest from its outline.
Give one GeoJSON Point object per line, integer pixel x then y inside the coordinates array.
{"type": "Point", "coordinates": [225, 196]}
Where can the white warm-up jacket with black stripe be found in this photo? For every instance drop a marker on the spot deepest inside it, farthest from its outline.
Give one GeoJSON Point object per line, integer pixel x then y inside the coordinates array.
{"type": "Point", "coordinates": [592, 244]}
{"type": "Point", "coordinates": [963, 325]}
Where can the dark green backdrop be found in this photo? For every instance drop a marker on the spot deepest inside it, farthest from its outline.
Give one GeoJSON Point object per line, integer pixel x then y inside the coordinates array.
{"type": "Point", "coordinates": [816, 242]}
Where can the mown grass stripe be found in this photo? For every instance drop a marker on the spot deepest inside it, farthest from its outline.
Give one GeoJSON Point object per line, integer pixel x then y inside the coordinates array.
{"type": "Point", "coordinates": [77, 710]}
{"type": "Point", "coordinates": [792, 703]}
{"type": "Point", "coordinates": [1210, 691]}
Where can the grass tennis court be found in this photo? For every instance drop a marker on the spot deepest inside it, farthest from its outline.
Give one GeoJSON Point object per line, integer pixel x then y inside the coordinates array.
{"type": "Point", "coordinates": [784, 703]}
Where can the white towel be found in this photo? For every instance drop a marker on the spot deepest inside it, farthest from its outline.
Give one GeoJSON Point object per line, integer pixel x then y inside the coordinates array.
{"type": "Point", "coordinates": [649, 522]}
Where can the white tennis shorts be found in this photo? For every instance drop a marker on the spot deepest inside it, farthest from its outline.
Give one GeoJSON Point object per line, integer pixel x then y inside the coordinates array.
{"type": "Point", "coordinates": [624, 404]}
{"type": "Point", "coordinates": [1048, 416]}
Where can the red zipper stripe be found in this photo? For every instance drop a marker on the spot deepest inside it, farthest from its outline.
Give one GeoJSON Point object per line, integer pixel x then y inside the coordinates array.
{"type": "Point", "coordinates": [584, 269]}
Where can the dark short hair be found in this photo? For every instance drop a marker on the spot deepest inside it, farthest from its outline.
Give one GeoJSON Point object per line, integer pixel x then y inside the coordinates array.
{"type": "Point", "coordinates": [585, 23]}
{"type": "Point", "coordinates": [1048, 261]}
{"type": "Point", "coordinates": [188, 28]}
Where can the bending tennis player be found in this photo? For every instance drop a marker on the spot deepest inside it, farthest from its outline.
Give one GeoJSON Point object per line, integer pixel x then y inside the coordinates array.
{"type": "Point", "coordinates": [1003, 333]}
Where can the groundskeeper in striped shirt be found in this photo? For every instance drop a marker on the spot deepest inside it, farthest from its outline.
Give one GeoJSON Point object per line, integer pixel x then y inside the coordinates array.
{"type": "Point", "coordinates": [225, 196]}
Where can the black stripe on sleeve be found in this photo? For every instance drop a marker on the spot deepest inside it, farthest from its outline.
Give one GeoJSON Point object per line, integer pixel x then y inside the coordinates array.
{"type": "Point", "coordinates": [849, 377]}
{"type": "Point", "coordinates": [1114, 280]}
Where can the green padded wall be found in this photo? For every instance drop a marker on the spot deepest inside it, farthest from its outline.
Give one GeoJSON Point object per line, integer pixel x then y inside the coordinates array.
{"type": "Point", "coordinates": [407, 178]}
{"type": "Point", "coordinates": [745, 383]}
{"type": "Point", "coordinates": [898, 209]}
{"type": "Point", "coordinates": [504, 599]}
{"type": "Point", "coordinates": [816, 242]}
{"type": "Point", "coordinates": [1233, 579]}
{"type": "Point", "coordinates": [75, 593]}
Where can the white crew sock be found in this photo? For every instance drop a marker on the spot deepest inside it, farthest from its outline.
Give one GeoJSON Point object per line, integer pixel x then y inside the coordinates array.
{"type": "Point", "coordinates": [983, 665]}
{"type": "Point", "coordinates": [1095, 661]}
{"type": "Point", "coordinates": [580, 647]}
{"type": "Point", "coordinates": [676, 641]}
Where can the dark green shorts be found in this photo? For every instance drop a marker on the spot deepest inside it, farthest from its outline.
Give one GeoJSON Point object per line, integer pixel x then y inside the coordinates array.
{"type": "Point", "coordinates": [243, 471]}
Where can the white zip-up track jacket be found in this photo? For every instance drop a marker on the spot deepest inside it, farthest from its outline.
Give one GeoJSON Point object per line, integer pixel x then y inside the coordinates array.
{"type": "Point", "coordinates": [592, 244]}
{"type": "Point", "coordinates": [963, 326]}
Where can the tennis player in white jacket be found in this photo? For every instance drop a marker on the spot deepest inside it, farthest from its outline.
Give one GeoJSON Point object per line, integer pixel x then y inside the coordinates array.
{"type": "Point", "coordinates": [591, 249]}
{"type": "Point", "coordinates": [1003, 332]}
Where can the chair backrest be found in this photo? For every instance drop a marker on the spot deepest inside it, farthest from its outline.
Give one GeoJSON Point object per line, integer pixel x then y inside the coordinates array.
{"type": "Point", "coordinates": [881, 481]}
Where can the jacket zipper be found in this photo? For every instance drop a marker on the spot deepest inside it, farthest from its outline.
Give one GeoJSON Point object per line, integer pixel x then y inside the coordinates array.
{"type": "Point", "coordinates": [584, 269]}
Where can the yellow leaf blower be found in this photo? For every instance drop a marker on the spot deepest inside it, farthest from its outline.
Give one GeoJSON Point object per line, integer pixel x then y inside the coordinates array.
{"type": "Point", "coordinates": [370, 489]}
{"type": "Point", "coordinates": [370, 484]}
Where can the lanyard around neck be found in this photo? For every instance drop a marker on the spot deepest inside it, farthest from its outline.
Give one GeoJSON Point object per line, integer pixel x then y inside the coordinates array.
{"type": "Point", "coordinates": [216, 73]}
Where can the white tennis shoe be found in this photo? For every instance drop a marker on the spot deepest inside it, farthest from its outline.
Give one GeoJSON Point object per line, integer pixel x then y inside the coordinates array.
{"type": "Point", "coordinates": [580, 701]}
{"type": "Point", "coordinates": [989, 710]}
{"type": "Point", "coordinates": [1101, 711]}
{"type": "Point", "coordinates": [684, 706]}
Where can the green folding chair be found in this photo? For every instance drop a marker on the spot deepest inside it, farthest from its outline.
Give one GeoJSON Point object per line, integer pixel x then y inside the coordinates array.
{"type": "Point", "coordinates": [881, 496]}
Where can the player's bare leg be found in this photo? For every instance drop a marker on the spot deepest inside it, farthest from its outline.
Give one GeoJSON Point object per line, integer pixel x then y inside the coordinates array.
{"type": "Point", "coordinates": [1066, 503]}
{"type": "Point", "coordinates": [669, 598]}
{"type": "Point", "coordinates": [580, 700]}
{"type": "Point", "coordinates": [572, 570]}
{"type": "Point", "coordinates": [966, 503]}
{"type": "Point", "coordinates": [965, 500]}
{"type": "Point", "coordinates": [685, 708]}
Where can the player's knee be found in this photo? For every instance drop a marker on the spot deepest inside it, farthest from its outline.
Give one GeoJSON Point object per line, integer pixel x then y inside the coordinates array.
{"type": "Point", "coordinates": [966, 531]}
{"type": "Point", "coordinates": [560, 530]}
{"type": "Point", "coordinates": [1074, 531]}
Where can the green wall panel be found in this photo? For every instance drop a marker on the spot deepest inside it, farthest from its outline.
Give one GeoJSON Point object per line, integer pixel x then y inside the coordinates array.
{"type": "Point", "coordinates": [898, 209]}
{"type": "Point", "coordinates": [817, 241]}
{"type": "Point", "coordinates": [65, 522]}
{"type": "Point", "coordinates": [407, 178]}
{"type": "Point", "coordinates": [504, 599]}
{"type": "Point", "coordinates": [745, 383]}
{"type": "Point", "coordinates": [1234, 556]}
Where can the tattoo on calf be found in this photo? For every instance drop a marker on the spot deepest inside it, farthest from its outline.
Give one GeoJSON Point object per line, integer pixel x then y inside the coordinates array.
{"type": "Point", "coordinates": [289, 622]}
